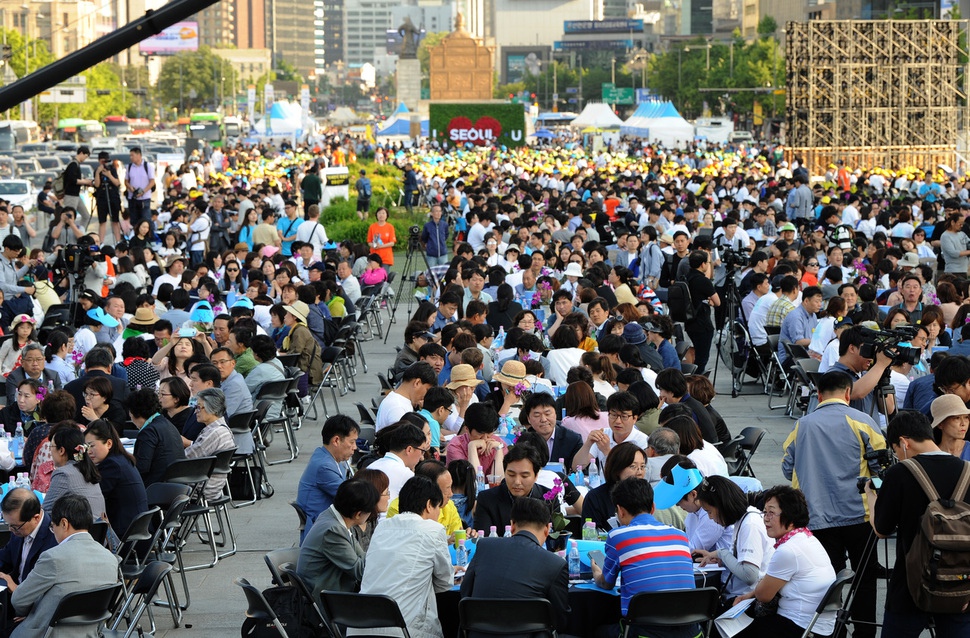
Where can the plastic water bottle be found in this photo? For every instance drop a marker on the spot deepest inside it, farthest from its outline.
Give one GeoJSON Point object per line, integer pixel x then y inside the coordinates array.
{"type": "Point", "coordinates": [573, 560]}
{"type": "Point", "coordinates": [578, 478]}
{"type": "Point", "coordinates": [18, 438]}
{"type": "Point", "coordinates": [379, 241]}
{"type": "Point", "coordinates": [508, 532]}
{"type": "Point", "coordinates": [499, 341]}
{"type": "Point", "coordinates": [480, 536]}
{"type": "Point", "coordinates": [503, 427]}
{"type": "Point", "coordinates": [589, 530]}
{"type": "Point", "coordinates": [595, 480]}
{"type": "Point", "coordinates": [461, 554]}
{"type": "Point", "coordinates": [23, 480]}
{"type": "Point", "coordinates": [11, 483]}
{"type": "Point", "coordinates": [480, 480]}
{"type": "Point", "coordinates": [493, 532]}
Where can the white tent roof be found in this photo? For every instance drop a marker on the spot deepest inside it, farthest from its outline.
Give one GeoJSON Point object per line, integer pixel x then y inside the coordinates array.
{"type": "Point", "coordinates": [597, 115]}
{"type": "Point", "coordinates": [343, 115]}
{"type": "Point", "coordinates": [660, 123]}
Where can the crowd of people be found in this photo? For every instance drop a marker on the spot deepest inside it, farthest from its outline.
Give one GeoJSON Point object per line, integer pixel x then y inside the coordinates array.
{"type": "Point", "coordinates": [557, 364]}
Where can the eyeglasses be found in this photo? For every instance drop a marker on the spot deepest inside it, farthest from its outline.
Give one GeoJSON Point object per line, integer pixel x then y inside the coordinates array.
{"type": "Point", "coordinates": [641, 467]}
{"type": "Point", "coordinates": [91, 395]}
{"type": "Point", "coordinates": [770, 514]}
{"type": "Point", "coordinates": [221, 361]}
{"type": "Point", "coordinates": [812, 263]}
{"type": "Point", "coordinates": [33, 360]}
{"type": "Point", "coordinates": [232, 270]}
{"type": "Point", "coordinates": [16, 528]}
{"type": "Point", "coordinates": [620, 416]}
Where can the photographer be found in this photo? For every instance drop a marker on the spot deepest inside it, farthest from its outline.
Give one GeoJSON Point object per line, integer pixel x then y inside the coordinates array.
{"type": "Point", "coordinates": [107, 196]}
{"type": "Point", "coordinates": [825, 460]}
{"type": "Point", "coordinates": [899, 508]}
{"type": "Point", "coordinates": [65, 221]}
{"type": "Point", "coordinates": [866, 378]}
{"type": "Point", "coordinates": [700, 329]}
{"type": "Point", "coordinates": [10, 273]}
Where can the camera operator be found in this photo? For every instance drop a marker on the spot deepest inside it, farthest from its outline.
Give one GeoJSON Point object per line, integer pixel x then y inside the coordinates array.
{"type": "Point", "coordinates": [702, 294]}
{"type": "Point", "coordinates": [866, 378]}
{"type": "Point", "coordinates": [899, 508]}
{"type": "Point", "coordinates": [825, 462]}
{"type": "Point", "coordinates": [107, 194]}
{"type": "Point", "coordinates": [65, 221]}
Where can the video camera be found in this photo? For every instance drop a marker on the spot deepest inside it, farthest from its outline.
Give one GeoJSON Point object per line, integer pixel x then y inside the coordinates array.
{"type": "Point", "coordinates": [414, 238]}
{"type": "Point", "coordinates": [887, 341]}
{"type": "Point", "coordinates": [734, 258]}
{"type": "Point", "coordinates": [76, 258]}
{"type": "Point", "coordinates": [886, 459]}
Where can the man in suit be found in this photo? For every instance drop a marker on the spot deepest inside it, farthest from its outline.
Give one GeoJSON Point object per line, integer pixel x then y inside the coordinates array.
{"type": "Point", "coordinates": [494, 507]}
{"type": "Point", "coordinates": [539, 414]}
{"type": "Point", "coordinates": [30, 535]}
{"type": "Point", "coordinates": [77, 563]}
{"type": "Point", "coordinates": [97, 363]}
{"type": "Point", "coordinates": [31, 367]}
{"type": "Point", "coordinates": [158, 443]}
{"type": "Point", "coordinates": [538, 573]}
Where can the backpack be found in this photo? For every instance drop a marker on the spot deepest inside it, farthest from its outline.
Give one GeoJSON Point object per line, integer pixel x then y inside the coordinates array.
{"type": "Point", "coordinates": [938, 561]}
{"type": "Point", "coordinates": [58, 183]}
{"type": "Point", "coordinates": [296, 616]}
{"type": "Point", "coordinates": [364, 189]}
{"type": "Point", "coordinates": [679, 302]}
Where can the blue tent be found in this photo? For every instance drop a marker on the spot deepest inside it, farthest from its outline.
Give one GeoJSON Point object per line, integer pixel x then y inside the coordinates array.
{"type": "Point", "coordinates": [401, 126]}
{"type": "Point", "coordinates": [660, 123]}
{"type": "Point", "coordinates": [400, 110]}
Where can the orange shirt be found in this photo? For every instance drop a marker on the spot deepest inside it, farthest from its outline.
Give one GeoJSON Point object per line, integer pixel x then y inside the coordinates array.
{"type": "Point", "coordinates": [386, 233]}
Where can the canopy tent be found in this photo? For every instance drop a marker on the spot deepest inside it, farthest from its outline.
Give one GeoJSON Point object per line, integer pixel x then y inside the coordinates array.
{"type": "Point", "coordinates": [286, 118]}
{"type": "Point", "coordinates": [401, 126]}
{"type": "Point", "coordinates": [401, 109]}
{"type": "Point", "coordinates": [343, 115]}
{"type": "Point", "coordinates": [597, 115]}
{"type": "Point", "coordinates": [660, 123]}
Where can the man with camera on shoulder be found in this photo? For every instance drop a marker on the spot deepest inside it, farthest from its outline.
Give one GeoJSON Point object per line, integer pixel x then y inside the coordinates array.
{"type": "Point", "coordinates": [866, 377]}
{"type": "Point", "coordinates": [823, 456]}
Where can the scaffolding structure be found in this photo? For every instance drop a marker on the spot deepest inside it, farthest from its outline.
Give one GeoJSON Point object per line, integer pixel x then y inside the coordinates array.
{"type": "Point", "coordinates": [882, 93]}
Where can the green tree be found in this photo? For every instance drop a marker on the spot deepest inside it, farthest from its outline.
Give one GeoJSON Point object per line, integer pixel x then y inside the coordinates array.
{"type": "Point", "coordinates": [287, 72]}
{"type": "Point", "coordinates": [193, 80]}
{"type": "Point", "coordinates": [767, 27]}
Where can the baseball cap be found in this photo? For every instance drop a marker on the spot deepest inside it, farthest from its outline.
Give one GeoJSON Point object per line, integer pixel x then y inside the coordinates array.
{"type": "Point", "coordinates": [318, 265]}
{"type": "Point", "coordinates": [787, 226]}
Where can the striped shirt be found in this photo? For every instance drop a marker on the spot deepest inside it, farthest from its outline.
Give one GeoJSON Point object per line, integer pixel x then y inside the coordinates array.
{"type": "Point", "coordinates": [652, 557]}
{"type": "Point", "coordinates": [778, 311]}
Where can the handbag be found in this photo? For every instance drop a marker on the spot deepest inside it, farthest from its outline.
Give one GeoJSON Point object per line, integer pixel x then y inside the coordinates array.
{"type": "Point", "coordinates": [760, 609]}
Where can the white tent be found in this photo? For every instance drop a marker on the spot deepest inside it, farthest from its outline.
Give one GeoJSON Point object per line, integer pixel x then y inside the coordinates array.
{"type": "Point", "coordinates": [597, 115]}
{"type": "Point", "coordinates": [343, 115]}
{"type": "Point", "coordinates": [660, 123]}
{"type": "Point", "coordinates": [286, 118]}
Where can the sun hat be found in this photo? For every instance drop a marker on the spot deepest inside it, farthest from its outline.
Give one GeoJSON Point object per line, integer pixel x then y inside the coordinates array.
{"type": "Point", "coordinates": [144, 316]}
{"type": "Point", "coordinates": [667, 494]}
{"type": "Point", "coordinates": [666, 239]}
{"type": "Point", "coordinates": [172, 259]}
{"type": "Point", "coordinates": [243, 302]}
{"type": "Point", "coordinates": [240, 246]}
{"type": "Point", "coordinates": [634, 334]}
{"type": "Point", "coordinates": [512, 373]}
{"type": "Point", "coordinates": [463, 375]}
{"type": "Point", "coordinates": [652, 327]}
{"type": "Point", "coordinates": [787, 226]}
{"type": "Point", "coordinates": [909, 260]}
{"type": "Point", "coordinates": [99, 315]}
{"type": "Point", "coordinates": [269, 251]}
{"type": "Point", "coordinates": [19, 319]}
{"type": "Point", "coordinates": [298, 309]}
{"type": "Point", "coordinates": [945, 406]}
{"type": "Point", "coordinates": [202, 313]}
{"type": "Point", "coordinates": [573, 270]}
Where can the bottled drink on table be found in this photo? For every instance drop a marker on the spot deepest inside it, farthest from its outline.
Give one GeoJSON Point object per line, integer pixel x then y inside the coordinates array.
{"type": "Point", "coordinates": [573, 560]}
{"type": "Point", "coordinates": [594, 475]}
{"type": "Point", "coordinates": [589, 530]}
{"type": "Point", "coordinates": [461, 555]}
{"type": "Point", "coordinates": [480, 479]}
{"type": "Point", "coordinates": [508, 532]}
{"type": "Point", "coordinates": [493, 532]}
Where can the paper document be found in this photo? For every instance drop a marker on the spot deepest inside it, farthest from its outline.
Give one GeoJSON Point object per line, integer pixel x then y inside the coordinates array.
{"type": "Point", "coordinates": [734, 619]}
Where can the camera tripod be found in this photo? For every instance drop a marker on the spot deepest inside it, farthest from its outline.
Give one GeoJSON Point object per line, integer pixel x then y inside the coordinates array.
{"type": "Point", "coordinates": [408, 276]}
{"type": "Point", "coordinates": [727, 345]}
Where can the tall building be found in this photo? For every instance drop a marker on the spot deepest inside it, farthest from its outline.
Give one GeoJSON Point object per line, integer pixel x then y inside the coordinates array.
{"type": "Point", "coordinates": [783, 12]}
{"type": "Point", "coordinates": [365, 29]}
{"type": "Point", "coordinates": [64, 26]}
{"type": "Point", "coordinates": [711, 17]}
{"type": "Point", "coordinates": [216, 25]}
{"type": "Point", "coordinates": [291, 34]}
{"type": "Point", "coordinates": [885, 9]}
{"type": "Point", "coordinates": [239, 23]}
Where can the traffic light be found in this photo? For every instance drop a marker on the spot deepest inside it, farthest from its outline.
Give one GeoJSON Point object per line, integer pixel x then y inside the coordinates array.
{"type": "Point", "coordinates": [7, 52]}
{"type": "Point", "coordinates": [103, 92]}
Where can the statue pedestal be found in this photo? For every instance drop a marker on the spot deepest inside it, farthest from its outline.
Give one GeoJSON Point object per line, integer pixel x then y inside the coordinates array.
{"type": "Point", "coordinates": [409, 83]}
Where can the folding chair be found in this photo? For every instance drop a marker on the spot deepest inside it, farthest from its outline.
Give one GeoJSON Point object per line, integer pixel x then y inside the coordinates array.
{"type": "Point", "coordinates": [802, 380]}
{"type": "Point", "coordinates": [195, 473]}
{"type": "Point", "coordinates": [362, 611]}
{"type": "Point", "coordinates": [138, 601]}
{"type": "Point", "coordinates": [506, 616]}
{"type": "Point", "coordinates": [366, 417]}
{"type": "Point", "coordinates": [776, 375]}
{"type": "Point", "coordinates": [277, 559]}
{"type": "Point", "coordinates": [258, 608]}
{"type": "Point", "coordinates": [241, 425]}
{"type": "Point", "coordinates": [674, 608]}
{"type": "Point", "coordinates": [91, 608]}
{"type": "Point", "coordinates": [832, 601]}
{"type": "Point", "coordinates": [331, 379]}
{"type": "Point", "coordinates": [301, 514]}
{"type": "Point", "coordinates": [750, 440]}
{"type": "Point", "coordinates": [275, 393]}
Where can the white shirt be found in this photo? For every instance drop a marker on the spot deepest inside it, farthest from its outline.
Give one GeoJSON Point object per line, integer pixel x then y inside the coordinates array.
{"type": "Point", "coordinates": [709, 461]}
{"type": "Point", "coordinates": [756, 322]}
{"type": "Point", "coordinates": [753, 546]}
{"type": "Point", "coordinates": [704, 533]}
{"type": "Point", "coordinates": [560, 361]}
{"type": "Point", "coordinates": [802, 562]}
{"type": "Point", "coordinates": [315, 233]}
{"type": "Point", "coordinates": [636, 436]}
{"type": "Point", "coordinates": [829, 356]}
{"type": "Point", "coordinates": [166, 279]}
{"type": "Point", "coordinates": [408, 560]}
{"type": "Point", "coordinates": [396, 471]}
{"type": "Point", "coordinates": [28, 543]}
{"type": "Point", "coordinates": [476, 236]}
{"type": "Point", "coordinates": [391, 409]}
{"type": "Point", "coordinates": [200, 232]}
{"type": "Point", "coordinates": [350, 285]}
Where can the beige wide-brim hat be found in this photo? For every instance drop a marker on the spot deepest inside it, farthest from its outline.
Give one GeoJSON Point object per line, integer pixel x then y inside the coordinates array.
{"type": "Point", "coordinates": [144, 317]}
{"type": "Point", "coordinates": [512, 373]}
{"type": "Point", "coordinates": [945, 406]}
{"type": "Point", "coordinates": [463, 375]}
{"type": "Point", "coordinates": [298, 309]}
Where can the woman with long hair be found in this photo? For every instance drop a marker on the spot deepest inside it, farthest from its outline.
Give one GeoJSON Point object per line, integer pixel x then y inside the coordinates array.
{"type": "Point", "coordinates": [502, 311]}
{"type": "Point", "coordinates": [622, 281]}
{"type": "Point", "coordinates": [604, 374]}
{"type": "Point", "coordinates": [172, 357]}
{"type": "Point", "coordinates": [121, 484]}
{"type": "Point", "coordinates": [74, 471]}
{"type": "Point", "coordinates": [464, 489]}
{"type": "Point", "coordinates": [234, 279]}
{"type": "Point", "coordinates": [141, 236]}
{"type": "Point", "coordinates": [624, 461]}
{"type": "Point", "coordinates": [692, 445]}
{"type": "Point", "coordinates": [583, 414]}
{"type": "Point", "coordinates": [248, 226]}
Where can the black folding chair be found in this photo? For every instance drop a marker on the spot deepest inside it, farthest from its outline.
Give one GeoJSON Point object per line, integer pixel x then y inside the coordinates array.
{"type": "Point", "coordinates": [301, 514]}
{"type": "Point", "coordinates": [832, 601]}
{"type": "Point", "coordinates": [362, 611]}
{"type": "Point", "coordinates": [750, 440]}
{"type": "Point", "coordinates": [258, 608]}
{"type": "Point", "coordinates": [91, 608]}
{"type": "Point", "coordinates": [277, 559]}
{"type": "Point", "coordinates": [506, 616]}
{"type": "Point", "coordinates": [138, 601]}
{"type": "Point", "coordinates": [674, 608]}
{"type": "Point", "coordinates": [275, 392]}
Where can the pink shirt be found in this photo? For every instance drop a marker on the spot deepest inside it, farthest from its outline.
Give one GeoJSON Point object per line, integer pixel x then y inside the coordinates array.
{"type": "Point", "coordinates": [584, 426]}
{"type": "Point", "coordinates": [458, 449]}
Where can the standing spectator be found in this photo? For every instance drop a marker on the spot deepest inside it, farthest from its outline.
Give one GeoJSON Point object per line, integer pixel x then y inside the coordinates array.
{"type": "Point", "coordinates": [311, 188]}
{"type": "Point", "coordinates": [73, 182]}
{"type": "Point", "coordinates": [434, 238]}
{"type": "Point", "coordinates": [364, 192]}
{"type": "Point", "coordinates": [381, 238]}
{"type": "Point", "coordinates": [328, 467]}
{"type": "Point", "coordinates": [701, 329]}
{"type": "Point", "coordinates": [107, 187]}
{"type": "Point", "coordinates": [139, 186]}
{"type": "Point", "coordinates": [410, 188]}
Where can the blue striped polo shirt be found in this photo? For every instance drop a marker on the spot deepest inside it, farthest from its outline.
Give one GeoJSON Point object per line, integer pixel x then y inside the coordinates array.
{"type": "Point", "coordinates": [652, 557]}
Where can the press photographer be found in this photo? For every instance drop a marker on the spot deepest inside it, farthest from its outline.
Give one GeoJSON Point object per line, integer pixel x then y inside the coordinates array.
{"type": "Point", "coordinates": [866, 355]}
{"type": "Point", "coordinates": [107, 195]}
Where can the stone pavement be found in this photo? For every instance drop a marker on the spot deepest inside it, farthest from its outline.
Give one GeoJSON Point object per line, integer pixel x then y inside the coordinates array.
{"type": "Point", "coordinates": [218, 606]}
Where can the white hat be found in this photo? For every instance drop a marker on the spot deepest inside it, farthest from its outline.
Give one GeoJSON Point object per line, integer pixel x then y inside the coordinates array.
{"type": "Point", "coordinates": [909, 260]}
{"type": "Point", "coordinates": [573, 270]}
